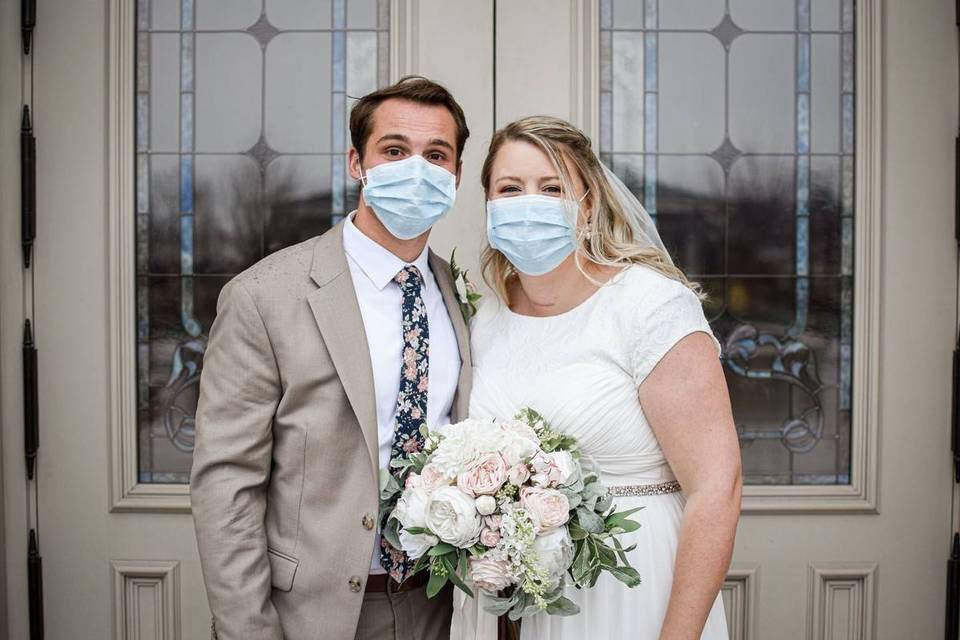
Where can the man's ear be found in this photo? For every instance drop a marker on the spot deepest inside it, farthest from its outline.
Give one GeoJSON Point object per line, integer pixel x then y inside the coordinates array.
{"type": "Point", "coordinates": [459, 172]}
{"type": "Point", "coordinates": [353, 163]}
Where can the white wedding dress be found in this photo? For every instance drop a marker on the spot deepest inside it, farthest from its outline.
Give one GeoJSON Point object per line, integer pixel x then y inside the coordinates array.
{"type": "Point", "coordinates": [581, 370]}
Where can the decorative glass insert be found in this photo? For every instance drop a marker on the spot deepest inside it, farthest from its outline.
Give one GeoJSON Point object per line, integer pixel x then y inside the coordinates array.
{"type": "Point", "coordinates": [241, 133]}
{"type": "Point", "coordinates": [733, 121]}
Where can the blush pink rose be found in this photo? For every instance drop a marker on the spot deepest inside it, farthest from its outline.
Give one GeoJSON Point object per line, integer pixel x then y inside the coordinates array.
{"type": "Point", "coordinates": [492, 522]}
{"type": "Point", "coordinates": [489, 574]}
{"type": "Point", "coordinates": [489, 538]}
{"type": "Point", "coordinates": [431, 478]}
{"type": "Point", "coordinates": [518, 474]}
{"type": "Point", "coordinates": [547, 508]}
{"type": "Point", "coordinates": [545, 471]}
{"type": "Point", "coordinates": [484, 476]}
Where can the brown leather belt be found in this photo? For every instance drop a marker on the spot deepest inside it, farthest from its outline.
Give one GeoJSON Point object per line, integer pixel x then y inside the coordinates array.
{"type": "Point", "coordinates": [381, 583]}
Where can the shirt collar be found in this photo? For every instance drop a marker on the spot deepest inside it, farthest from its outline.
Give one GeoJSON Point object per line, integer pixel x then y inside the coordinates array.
{"type": "Point", "coordinates": [376, 262]}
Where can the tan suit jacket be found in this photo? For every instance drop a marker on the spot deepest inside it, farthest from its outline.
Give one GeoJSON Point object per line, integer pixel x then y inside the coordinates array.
{"type": "Point", "coordinates": [284, 486]}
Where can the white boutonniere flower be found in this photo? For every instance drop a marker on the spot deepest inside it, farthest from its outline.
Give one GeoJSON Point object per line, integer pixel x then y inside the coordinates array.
{"type": "Point", "coordinates": [465, 291]}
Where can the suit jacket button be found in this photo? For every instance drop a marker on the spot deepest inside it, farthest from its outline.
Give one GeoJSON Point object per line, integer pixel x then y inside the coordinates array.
{"type": "Point", "coordinates": [367, 522]}
{"type": "Point", "coordinates": [355, 585]}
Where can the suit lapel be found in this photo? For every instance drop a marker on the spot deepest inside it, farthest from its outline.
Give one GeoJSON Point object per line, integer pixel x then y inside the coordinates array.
{"type": "Point", "coordinates": [337, 313]}
{"type": "Point", "coordinates": [441, 272]}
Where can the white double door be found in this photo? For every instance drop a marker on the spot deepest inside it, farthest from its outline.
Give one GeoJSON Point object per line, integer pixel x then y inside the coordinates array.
{"type": "Point", "coordinates": [119, 558]}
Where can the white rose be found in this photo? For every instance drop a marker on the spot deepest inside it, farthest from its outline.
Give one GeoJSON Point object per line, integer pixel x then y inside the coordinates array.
{"type": "Point", "coordinates": [568, 468]}
{"type": "Point", "coordinates": [554, 553]}
{"type": "Point", "coordinates": [411, 507]}
{"type": "Point", "coordinates": [416, 544]}
{"type": "Point", "coordinates": [486, 505]}
{"type": "Point", "coordinates": [547, 508]}
{"type": "Point", "coordinates": [461, 287]}
{"type": "Point", "coordinates": [463, 442]}
{"type": "Point", "coordinates": [489, 574]}
{"type": "Point", "coordinates": [519, 442]}
{"type": "Point", "coordinates": [411, 512]}
{"type": "Point", "coordinates": [452, 515]}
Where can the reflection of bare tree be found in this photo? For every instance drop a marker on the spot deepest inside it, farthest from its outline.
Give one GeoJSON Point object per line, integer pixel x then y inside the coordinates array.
{"type": "Point", "coordinates": [768, 354]}
{"type": "Point", "coordinates": [256, 225]}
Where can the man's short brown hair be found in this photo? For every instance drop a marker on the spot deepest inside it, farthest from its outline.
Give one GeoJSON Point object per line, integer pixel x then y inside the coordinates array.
{"type": "Point", "coordinates": [413, 88]}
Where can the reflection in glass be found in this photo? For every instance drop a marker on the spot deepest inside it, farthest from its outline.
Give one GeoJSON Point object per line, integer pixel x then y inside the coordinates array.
{"type": "Point", "coordinates": [733, 121]}
{"type": "Point", "coordinates": [241, 114]}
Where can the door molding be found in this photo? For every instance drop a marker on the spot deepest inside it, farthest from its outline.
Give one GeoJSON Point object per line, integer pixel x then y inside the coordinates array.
{"type": "Point", "coordinates": [844, 591]}
{"type": "Point", "coordinates": [127, 493]}
{"type": "Point", "coordinates": [137, 581]}
{"type": "Point", "coordinates": [860, 496]}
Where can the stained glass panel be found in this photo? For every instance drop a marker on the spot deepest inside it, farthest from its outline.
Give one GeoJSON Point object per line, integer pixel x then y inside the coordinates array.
{"type": "Point", "coordinates": [733, 121]}
{"type": "Point", "coordinates": [241, 117]}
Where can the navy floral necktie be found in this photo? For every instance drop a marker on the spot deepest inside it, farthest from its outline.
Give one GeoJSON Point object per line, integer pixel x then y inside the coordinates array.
{"type": "Point", "coordinates": [412, 398]}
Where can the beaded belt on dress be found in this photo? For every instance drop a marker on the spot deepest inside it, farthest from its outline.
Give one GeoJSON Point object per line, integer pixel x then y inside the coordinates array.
{"type": "Point", "coordinates": [645, 489]}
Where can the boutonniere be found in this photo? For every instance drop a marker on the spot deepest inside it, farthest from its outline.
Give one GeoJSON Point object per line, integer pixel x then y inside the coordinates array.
{"type": "Point", "coordinates": [464, 290]}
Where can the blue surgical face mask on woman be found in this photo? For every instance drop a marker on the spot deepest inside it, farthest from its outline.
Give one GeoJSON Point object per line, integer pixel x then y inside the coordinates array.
{"type": "Point", "coordinates": [409, 196]}
{"type": "Point", "coordinates": [535, 233]}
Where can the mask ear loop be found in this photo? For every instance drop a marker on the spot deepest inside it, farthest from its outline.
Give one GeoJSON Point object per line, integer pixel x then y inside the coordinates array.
{"type": "Point", "coordinates": [363, 176]}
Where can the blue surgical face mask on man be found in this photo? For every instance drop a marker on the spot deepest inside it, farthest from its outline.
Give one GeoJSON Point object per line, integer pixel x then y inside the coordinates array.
{"type": "Point", "coordinates": [534, 232]}
{"type": "Point", "coordinates": [409, 196]}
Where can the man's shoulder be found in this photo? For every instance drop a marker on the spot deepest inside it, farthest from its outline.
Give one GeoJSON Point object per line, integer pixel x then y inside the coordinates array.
{"type": "Point", "coordinates": [282, 266]}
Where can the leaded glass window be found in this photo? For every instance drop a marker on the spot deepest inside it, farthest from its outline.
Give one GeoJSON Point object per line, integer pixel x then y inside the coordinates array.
{"type": "Point", "coordinates": [733, 121]}
{"type": "Point", "coordinates": [241, 135]}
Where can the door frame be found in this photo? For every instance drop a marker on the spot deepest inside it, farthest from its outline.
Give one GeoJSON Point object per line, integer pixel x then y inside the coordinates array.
{"type": "Point", "coordinates": [127, 493]}
{"type": "Point", "coordinates": [862, 494]}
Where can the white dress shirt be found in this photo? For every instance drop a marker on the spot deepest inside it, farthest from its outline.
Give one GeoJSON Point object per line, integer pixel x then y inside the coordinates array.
{"type": "Point", "coordinates": [381, 307]}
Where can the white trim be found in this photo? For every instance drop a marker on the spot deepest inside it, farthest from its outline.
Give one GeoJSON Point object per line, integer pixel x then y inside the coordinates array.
{"type": "Point", "coordinates": [860, 496]}
{"type": "Point", "coordinates": [827, 578]}
{"type": "Point", "coordinates": [161, 579]}
{"type": "Point", "coordinates": [743, 584]}
{"type": "Point", "coordinates": [127, 493]}
{"type": "Point", "coordinates": [404, 38]}
{"type": "Point", "coordinates": [585, 67]}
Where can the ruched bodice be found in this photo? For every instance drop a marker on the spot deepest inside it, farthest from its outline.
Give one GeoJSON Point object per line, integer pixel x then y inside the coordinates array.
{"type": "Point", "coordinates": [581, 370]}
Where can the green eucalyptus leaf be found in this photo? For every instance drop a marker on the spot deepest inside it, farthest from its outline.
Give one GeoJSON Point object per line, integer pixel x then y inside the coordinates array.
{"type": "Point", "coordinates": [563, 607]}
{"type": "Point", "coordinates": [576, 531]}
{"type": "Point", "coordinates": [604, 504]}
{"type": "Point", "coordinates": [589, 520]}
{"type": "Point", "coordinates": [499, 606]}
{"type": "Point", "coordinates": [573, 498]}
{"type": "Point", "coordinates": [617, 519]}
{"type": "Point", "coordinates": [441, 549]}
{"type": "Point", "coordinates": [626, 575]}
{"type": "Point", "coordinates": [459, 583]}
{"type": "Point", "coordinates": [391, 533]}
{"type": "Point", "coordinates": [627, 526]}
{"type": "Point", "coordinates": [435, 584]}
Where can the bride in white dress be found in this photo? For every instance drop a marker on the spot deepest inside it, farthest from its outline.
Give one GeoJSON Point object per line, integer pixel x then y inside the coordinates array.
{"type": "Point", "coordinates": [596, 329]}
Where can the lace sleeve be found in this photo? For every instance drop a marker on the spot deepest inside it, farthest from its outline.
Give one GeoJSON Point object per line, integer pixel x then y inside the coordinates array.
{"type": "Point", "coordinates": [662, 325]}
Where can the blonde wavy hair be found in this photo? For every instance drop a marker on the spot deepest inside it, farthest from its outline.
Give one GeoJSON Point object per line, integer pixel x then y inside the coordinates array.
{"type": "Point", "coordinates": [608, 239]}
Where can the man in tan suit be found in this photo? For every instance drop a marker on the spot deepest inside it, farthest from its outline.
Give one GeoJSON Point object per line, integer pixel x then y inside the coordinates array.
{"type": "Point", "coordinates": [323, 362]}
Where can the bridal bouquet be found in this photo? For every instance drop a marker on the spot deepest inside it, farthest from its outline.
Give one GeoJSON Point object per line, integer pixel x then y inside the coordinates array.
{"type": "Point", "coordinates": [505, 506]}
